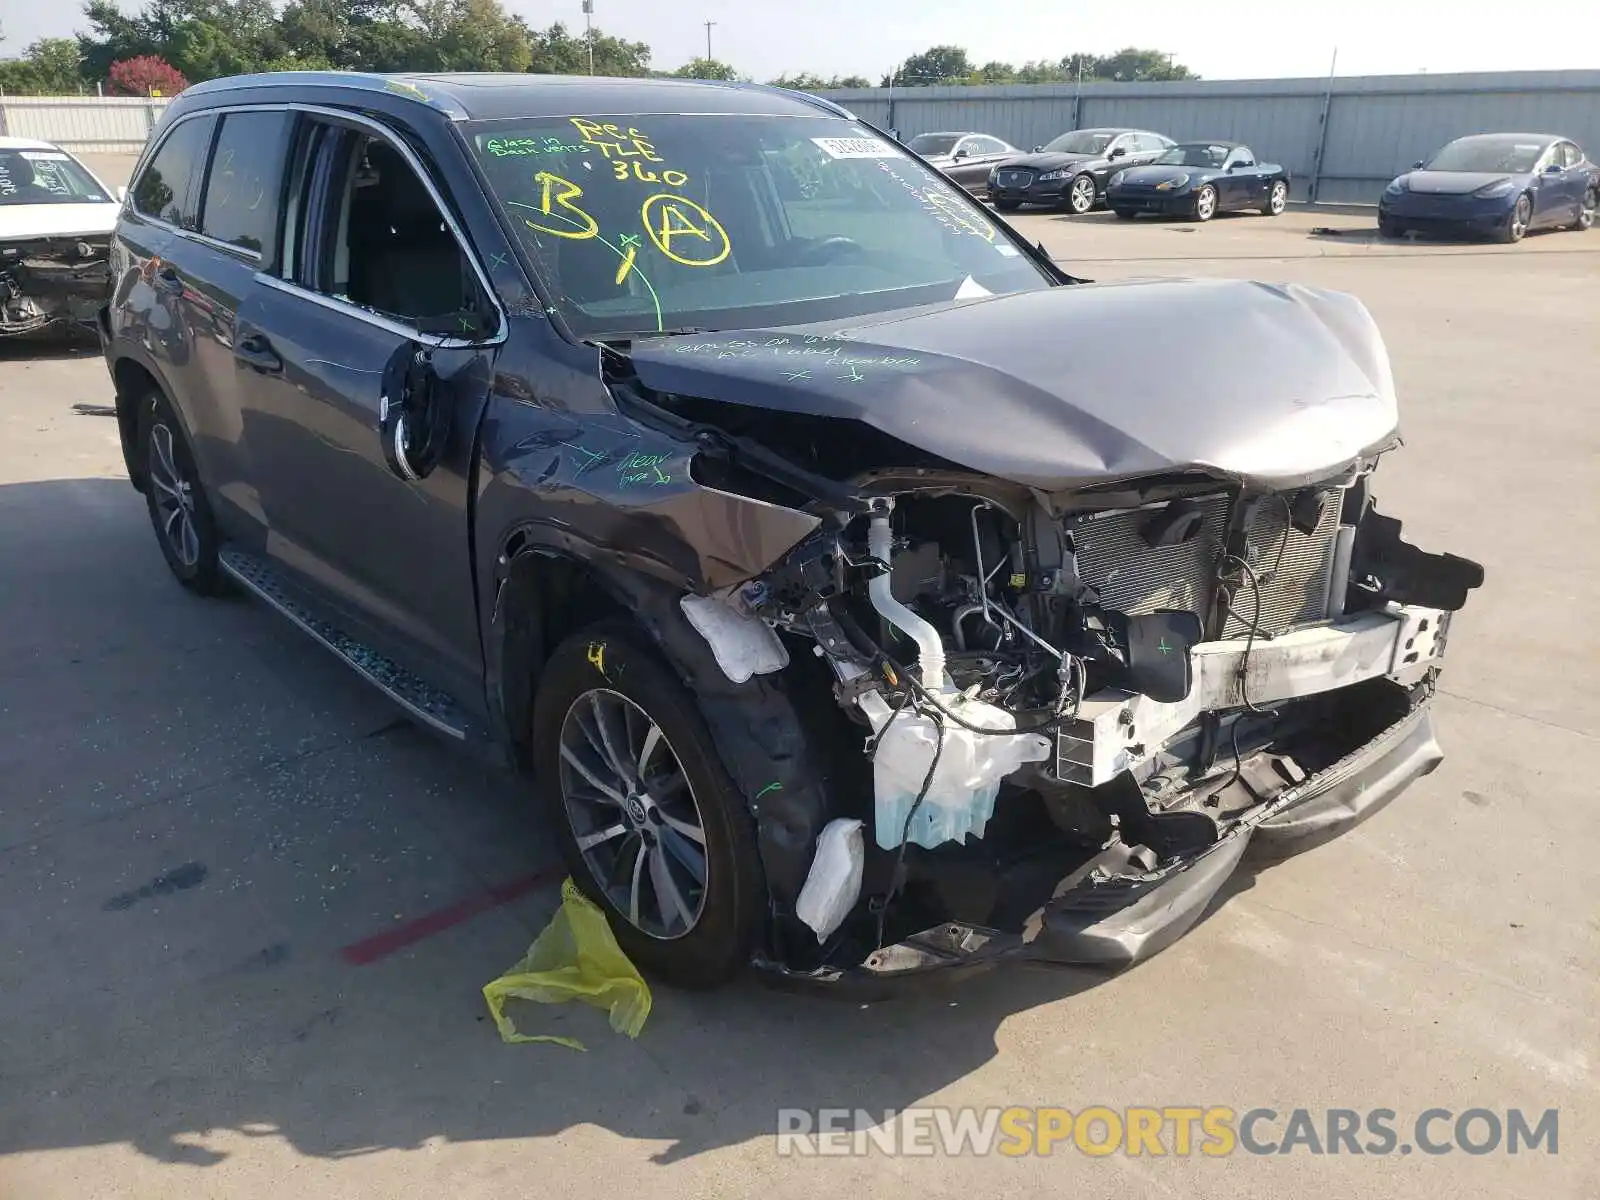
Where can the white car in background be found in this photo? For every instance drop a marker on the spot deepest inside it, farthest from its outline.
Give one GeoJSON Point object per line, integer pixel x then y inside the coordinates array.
{"type": "Point", "coordinates": [56, 218]}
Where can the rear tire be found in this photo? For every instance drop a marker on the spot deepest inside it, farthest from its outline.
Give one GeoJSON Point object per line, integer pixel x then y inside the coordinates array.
{"type": "Point", "coordinates": [176, 498]}
{"type": "Point", "coordinates": [1586, 211]}
{"type": "Point", "coordinates": [1390, 228]}
{"type": "Point", "coordinates": [613, 666]}
{"type": "Point", "coordinates": [1277, 199]}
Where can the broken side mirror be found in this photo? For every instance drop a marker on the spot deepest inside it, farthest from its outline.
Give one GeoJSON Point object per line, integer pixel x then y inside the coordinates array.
{"type": "Point", "coordinates": [413, 413]}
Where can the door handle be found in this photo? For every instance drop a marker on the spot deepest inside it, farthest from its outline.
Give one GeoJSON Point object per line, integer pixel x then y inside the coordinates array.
{"type": "Point", "coordinates": [257, 353]}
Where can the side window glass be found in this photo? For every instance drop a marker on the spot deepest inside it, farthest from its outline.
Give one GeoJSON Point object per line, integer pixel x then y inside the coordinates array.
{"type": "Point", "coordinates": [163, 190]}
{"type": "Point", "coordinates": [1243, 158]}
{"type": "Point", "coordinates": [1574, 156]}
{"type": "Point", "coordinates": [380, 241]}
{"type": "Point", "coordinates": [242, 189]}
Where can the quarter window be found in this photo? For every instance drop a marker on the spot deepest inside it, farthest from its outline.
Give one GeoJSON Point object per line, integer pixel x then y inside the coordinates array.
{"type": "Point", "coordinates": [241, 200]}
{"type": "Point", "coordinates": [1572, 155]}
{"type": "Point", "coordinates": [165, 189]}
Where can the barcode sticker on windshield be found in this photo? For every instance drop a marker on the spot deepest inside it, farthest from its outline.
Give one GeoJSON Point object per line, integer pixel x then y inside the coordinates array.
{"type": "Point", "coordinates": [44, 156]}
{"type": "Point", "coordinates": [855, 147]}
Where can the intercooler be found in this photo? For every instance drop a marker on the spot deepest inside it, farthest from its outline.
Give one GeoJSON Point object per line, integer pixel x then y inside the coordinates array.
{"type": "Point", "coordinates": [1293, 569]}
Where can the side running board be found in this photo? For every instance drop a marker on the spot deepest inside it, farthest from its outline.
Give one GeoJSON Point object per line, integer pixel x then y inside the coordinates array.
{"type": "Point", "coordinates": [420, 700]}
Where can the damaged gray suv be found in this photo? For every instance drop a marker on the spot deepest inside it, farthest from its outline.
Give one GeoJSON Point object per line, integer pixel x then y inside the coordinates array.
{"type": "Point", "coordinates": [858, 590]}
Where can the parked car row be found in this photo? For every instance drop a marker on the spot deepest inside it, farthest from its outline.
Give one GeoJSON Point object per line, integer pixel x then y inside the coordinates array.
{"type": "Point", "coordinates": [1129, 171]}
{"type": "Point", "coordinates": [1498, 184]}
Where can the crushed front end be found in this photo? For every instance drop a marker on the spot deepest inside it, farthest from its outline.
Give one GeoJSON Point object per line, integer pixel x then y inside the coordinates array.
{"type": "Point", "coordinates": [1069, 715]}
{"type": "Point", "coordinates": [1070, 633]}
{"type": "Point", "coordinates": [48, 281]}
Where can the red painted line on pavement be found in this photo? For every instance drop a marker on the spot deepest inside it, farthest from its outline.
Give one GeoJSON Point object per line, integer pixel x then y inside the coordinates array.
{"type": "Point", "coordinates": [381, 945]}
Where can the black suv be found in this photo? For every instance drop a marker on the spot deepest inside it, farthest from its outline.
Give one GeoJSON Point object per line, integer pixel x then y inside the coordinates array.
{"type": "Point", "coordinates": [855, 594]}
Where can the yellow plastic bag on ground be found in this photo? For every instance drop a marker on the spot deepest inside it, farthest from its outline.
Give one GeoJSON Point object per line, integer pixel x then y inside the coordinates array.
{"type": "Point", "coordinates": [575, 957]}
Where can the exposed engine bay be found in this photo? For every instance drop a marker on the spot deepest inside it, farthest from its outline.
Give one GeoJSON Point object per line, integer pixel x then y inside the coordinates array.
{"type": "Point", "coordinates": [1148, 669]}
{"type": "Point", "coordinates": [44, 281]}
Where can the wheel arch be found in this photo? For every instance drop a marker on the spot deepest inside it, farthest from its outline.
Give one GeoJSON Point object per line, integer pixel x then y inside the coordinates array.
{"type": "Point", "coordinates": [781, 764]}
{"type": "Point", "coordinates": [132, 381]}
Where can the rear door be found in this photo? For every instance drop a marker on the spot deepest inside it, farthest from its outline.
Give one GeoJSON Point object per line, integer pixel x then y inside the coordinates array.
{"type": "Point", "coordinates": [373, 268]}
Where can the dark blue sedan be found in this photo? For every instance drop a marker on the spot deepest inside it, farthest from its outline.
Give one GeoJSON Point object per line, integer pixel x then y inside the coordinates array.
{"type": "Point", "coordinates": [1496, 184]}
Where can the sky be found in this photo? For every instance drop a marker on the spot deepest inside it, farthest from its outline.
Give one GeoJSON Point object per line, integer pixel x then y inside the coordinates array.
{"type": "Point", "coordinates": [1223, 39]}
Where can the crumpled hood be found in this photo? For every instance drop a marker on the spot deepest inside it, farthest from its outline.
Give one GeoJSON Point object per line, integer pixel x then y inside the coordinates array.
{"type": "Point", "coordinates": [18, 221]}
{"type": "Point", "coordinates": [1275, 385]}
{"type": "Point", "coordinates": [1451, 183]}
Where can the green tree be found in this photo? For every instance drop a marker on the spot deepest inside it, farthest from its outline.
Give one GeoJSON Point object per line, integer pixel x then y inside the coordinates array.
{"type": "Point", "coordinates": [1131, 64]}
{"type": "Point", "coordinates": [557, 52]}
{"type": "Point", "coordinates": [49, 67]}
{"type": "Point", "coordinates": [706, 68]}
{"type": "Point", "coordinates": [809, 81]}
{"type": "Point", "coordinates": [995, 72]}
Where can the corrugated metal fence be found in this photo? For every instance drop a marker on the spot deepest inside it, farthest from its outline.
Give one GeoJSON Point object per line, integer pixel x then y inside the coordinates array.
{"type": "Point", "coordinates": [83, 124]}
{"type": "Point", "coordinates": [1342, 139]}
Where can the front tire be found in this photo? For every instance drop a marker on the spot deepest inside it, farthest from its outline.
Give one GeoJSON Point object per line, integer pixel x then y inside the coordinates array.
{"type": "Point", "coordinates": [1388, 227]}
{"type": "Point", "coordinates": [1516, 223]}
{"type": "Point", "coordinates": [1007, 205]}
{"type": "Point", "coordinates": [1205, 203]}
{"type": "Point", "coordinates": [1126, 214]}
{"type": "Point", "coordinates": [1277, 199]}
{"type": "Point", "coordinates": [651, 827]}
{"type": "Point", "coordinates": [1586, 211]}
{"type": "Point", "coordinates": [176, 499]}
{"type": "Point", "coordinates": [1081, 195]}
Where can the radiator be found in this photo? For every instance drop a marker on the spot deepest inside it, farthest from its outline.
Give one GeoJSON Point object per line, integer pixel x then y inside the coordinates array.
{"type": "Point", "coordinates": [1134, 577]}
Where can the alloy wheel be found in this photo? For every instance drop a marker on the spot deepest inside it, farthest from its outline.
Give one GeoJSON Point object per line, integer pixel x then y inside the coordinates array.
{"type": "Point", "coordinates": [1205, 204]}
{"type": "Point", "coordinates": [1279, 199]}
{"type": "Point", "coordinates": [1586, 210]}
{"type": "Point", "coordinates": [1519, 218]}
{"type": "Point", "coordinates": [1081, 198]}
{"type": "Point", "coordinates": [633, 813]}
{"type": "Point", "coordinates": [174, 497]}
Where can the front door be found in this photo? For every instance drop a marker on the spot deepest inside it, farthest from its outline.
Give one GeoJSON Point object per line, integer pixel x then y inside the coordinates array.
{"type": "Point", "coordinates": [373, 274]}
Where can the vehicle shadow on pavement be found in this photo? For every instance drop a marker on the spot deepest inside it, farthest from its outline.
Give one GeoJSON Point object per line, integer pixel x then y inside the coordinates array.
{"type": "Point", "coordinates": [62, 345]}
{"type": "Point", "coordinates": [203, 810]}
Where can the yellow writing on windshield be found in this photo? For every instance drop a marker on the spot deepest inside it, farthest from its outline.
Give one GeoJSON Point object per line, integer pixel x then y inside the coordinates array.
{"type": "Point", "coordinates": [556, 201]}
{"type": "Point", "coordinates": [613, 142]}
{"type": "Point", "coordinates": [684, 231]}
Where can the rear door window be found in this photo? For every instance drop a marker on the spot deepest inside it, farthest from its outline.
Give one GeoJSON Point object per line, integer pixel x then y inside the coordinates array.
{"type": "Point", "coordinates": [165, 189]}
{"type": "Point", "coordinates": [246, 178]}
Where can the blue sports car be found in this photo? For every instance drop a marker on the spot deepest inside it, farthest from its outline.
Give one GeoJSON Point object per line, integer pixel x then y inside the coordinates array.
{"type": "Point", "coordinates": [1498, 184]}
{"type": "Point", "coordinates": [1198, 180]}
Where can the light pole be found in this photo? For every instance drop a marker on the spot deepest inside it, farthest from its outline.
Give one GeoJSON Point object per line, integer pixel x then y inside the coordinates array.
{"type": "Point", "coordinates": [588, 30]}
{"type": "Point", "coordinates": [709, 24]}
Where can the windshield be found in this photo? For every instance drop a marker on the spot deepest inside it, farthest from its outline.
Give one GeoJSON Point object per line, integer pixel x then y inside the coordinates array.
{"type": "Point", "coordinates": [1487, 154]}
{"type": "Point", "coordinates": [660, 223]}
{"type": "Point", "coordinates": [1084, 141]}
{"type": "Point", "coordinates": [1194, 154]}
{"type": "Point", "coordinates": [46, 177]}
{"type": "Point", "coordinates": [934, 143]}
